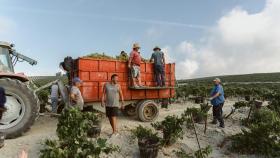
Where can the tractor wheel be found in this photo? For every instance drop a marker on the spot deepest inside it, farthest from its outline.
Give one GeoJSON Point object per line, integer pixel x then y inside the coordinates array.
{"type": "Point", "coordinates": [147, 111]}
{"type": "Point", "coordinates": [22, 108]}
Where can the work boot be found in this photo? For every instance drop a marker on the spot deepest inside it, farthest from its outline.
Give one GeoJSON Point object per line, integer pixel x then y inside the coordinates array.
{"type": "Point", "coordinates": [214, 122]}
{"type": "Point", "coordinates": [222, 126]}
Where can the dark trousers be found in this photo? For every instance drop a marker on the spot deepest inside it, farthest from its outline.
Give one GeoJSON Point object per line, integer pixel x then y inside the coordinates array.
{"type": "Point", "coordinates": [160, 75]}
{"type": "Point", "coordinates": [218, 113]}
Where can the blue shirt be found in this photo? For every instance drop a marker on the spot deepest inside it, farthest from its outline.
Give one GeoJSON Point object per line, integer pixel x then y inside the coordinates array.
{"type": "Point", "coordinates": [158, 58]}
{"type": "Point", "coordinates": [220, 99]}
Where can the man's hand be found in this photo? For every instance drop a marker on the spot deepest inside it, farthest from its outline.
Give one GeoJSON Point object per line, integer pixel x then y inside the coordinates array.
{"type": "Point", "coordinates": [129, 65]}
{"type": "Point", "coordinates": [102, 103]}
{"type": "Point", "coordinates": [211, 98]}
{"type": "Point", "coordinates": [122, 105]}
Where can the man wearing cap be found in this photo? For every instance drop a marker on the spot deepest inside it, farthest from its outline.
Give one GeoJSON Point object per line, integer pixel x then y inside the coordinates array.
{"type": "Point", "coordinates": [217, 100]}
{"type": "Point", "coordinates": [159, 62]}
{"type": "Point", "coordinates": [134, 64]}
{"type": "Point", "coordinates": [76, 95]}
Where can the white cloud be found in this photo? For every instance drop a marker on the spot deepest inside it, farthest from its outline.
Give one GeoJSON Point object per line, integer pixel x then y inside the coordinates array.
{"type": "Point", "coordinates": [166, 50]}
{"type": "Point", "coordinates": [6, 25]}
{"type": "Point", "coordinates": [239, 43]}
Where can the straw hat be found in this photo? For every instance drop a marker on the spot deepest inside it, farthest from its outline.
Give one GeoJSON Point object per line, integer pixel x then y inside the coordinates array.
{"type": "Point", "coordinates": [157, 47]}
{"type": "Point", "coordinates": [136, 45]}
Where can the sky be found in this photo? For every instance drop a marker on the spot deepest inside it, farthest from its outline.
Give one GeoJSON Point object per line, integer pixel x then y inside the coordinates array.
{"type": "Point", "coordinates": [203, 37]}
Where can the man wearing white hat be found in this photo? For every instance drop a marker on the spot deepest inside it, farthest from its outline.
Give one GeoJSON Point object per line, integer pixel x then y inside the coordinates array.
{"type": "Point", "coordinates": [217, 100]}
{"type": "Point", "coordinates": [134, 64]}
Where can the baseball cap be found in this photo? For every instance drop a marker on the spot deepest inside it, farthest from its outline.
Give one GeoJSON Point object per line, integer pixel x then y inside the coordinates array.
{"type": "Point", "coordinates": [217, 79]}
{"type": "Point", "coordinates": [77, 80]}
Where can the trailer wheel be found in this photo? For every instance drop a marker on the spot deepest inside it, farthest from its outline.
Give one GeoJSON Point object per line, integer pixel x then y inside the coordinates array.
{"type": "Point", "coordinates": [129, 110]}
{"type": "Point", "coordinates": [147, 111]}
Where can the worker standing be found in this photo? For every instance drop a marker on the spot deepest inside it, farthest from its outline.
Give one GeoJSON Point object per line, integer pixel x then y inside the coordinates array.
{"type": "Point", "coordinates": [134, 64]}
{"type": "Point", "coordinates": [159, 62]}
{"type": "Point", "coordinates": [54, 97]}
{"type": "Point", "coordinates": [76, 95]}
{"type": "Point", "coordinates": [111, 99]}
{"type": "Point", "coordinates": [217, 100]}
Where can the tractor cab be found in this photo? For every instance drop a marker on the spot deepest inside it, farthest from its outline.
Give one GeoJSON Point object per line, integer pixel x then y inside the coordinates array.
{"type": "Point", "coordinates": [5, 58]}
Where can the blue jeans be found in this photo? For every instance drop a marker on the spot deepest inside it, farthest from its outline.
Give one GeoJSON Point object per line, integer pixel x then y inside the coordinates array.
{"type": "Point", "coordinates": [160, 75]}
{"type": "Point", "coordinates": [54, 104]}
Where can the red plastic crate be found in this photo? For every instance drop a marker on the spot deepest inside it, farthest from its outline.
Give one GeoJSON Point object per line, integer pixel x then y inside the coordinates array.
{"type": "Point", "coordinates": [149, 77]}
{"type": "Point", "coordinates": [107, 66]}
{"type": "Point", "coordinates": [126, 92]}
{"type": "Point", "coordinates": [167, 68]}
{"type": "Point", "coordinates": [172, 68]}
{"type": "Point", "coordinates": [173, 83]}
{"type": "Point", "coordinates": [149, 67]}
{"type": "Point", "coordinates": [122, 67]}
{"type": "Point", "coordinates": [88, 65]}
{"type": "Point", "coordinates": [89, 91]}
{"type": "Point", "coordinates": [143, 67]}
{"type": "Point", "coordinates": [167, 77]}
{"type": "Point", "coordinates": [173, 77]}
{"type": "Point", "coordinates": [98, 76]}
{"type": "Point", "coordinates": [84, 75]}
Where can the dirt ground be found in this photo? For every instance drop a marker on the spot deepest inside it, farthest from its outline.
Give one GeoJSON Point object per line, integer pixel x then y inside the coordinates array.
{"type": "Point", "coordinates": [45, 127]}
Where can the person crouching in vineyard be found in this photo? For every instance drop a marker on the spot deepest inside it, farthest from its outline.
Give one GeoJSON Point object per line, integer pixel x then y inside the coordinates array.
{"type": "Point", "coordinates": [76, 95]}
{"type": "Point", "coordinates": [217, 100]}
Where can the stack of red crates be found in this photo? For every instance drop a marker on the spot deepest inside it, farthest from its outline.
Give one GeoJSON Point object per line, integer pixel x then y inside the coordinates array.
{"type": "Point", "coordinates": [96, 72]}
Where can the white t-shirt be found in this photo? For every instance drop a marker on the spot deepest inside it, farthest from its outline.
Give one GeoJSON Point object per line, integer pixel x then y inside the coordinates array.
{"type": "Point", "coordinates": [80, 101]}
{"type": "Point", "coordinates": [54, 91]}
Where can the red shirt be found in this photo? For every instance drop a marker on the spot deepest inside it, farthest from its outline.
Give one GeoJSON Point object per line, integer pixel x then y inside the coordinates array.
{"type": "Point", "coordinates": [135, 58]}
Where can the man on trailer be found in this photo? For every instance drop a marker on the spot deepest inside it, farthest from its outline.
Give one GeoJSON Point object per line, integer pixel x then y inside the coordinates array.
{"type": "Point", "coordinates": [111, 100]}
{"type": "Point", "coordinates": [159, 62]}
{"type": "Point", "coordinates": [134, 65]}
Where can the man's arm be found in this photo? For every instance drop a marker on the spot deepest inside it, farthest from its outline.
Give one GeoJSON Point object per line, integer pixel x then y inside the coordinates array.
{"type": "Point", "coordinates": [121, 95]}
{"type": "Point", "coordinates": [103, 96]}
{"type": "Point", "coordinates": [152, 58]}
{"type": "Point", "coordinates": [216, 94]}
{"type": "Point", "coordinates": [130, 60]}
{"type": "Point", "coordinates": [73, 96]}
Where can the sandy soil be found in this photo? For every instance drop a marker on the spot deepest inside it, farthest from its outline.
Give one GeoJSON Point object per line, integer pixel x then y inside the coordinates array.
{"type": "Point", "coordinates": [45, 127]}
